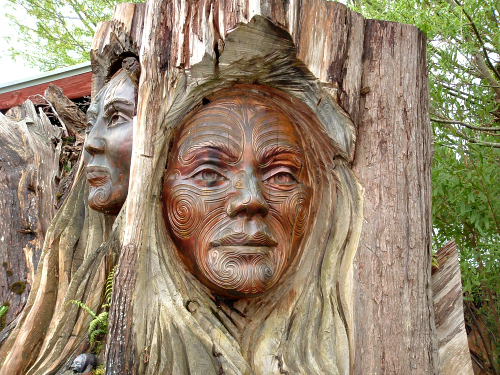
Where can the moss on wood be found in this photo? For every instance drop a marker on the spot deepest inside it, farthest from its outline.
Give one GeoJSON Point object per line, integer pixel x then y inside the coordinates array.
{"type": "Point", "coordinates": [18, 287]}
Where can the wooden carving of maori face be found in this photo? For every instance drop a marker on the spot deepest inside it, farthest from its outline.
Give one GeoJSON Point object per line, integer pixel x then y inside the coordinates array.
{"type": "Point", "coordinates": [236, 196]}
{"type": "Point", "coordinates": [109, 141]}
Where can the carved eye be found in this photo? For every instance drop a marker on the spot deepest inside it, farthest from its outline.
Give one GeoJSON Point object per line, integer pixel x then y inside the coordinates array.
{"type": "Point", "coordinates": [281, 178]}
{"type": "Point", "coordinates": [208, 175]}
{"type": "Point", "coordinates": [116, 119]}
{"type": "Point", "coordinates": [89, 127]}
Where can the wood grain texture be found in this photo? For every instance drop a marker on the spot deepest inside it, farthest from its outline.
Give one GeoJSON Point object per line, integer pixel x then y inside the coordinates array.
{"type": "Point", "coordinates": [77, 255]}
{"type": "Point", "coordinates": [114, 40]}
{"type": "Point", "coordinates": [454, 355]}
{"type": "Point", "coordinates": [189, 45]}
{"type": "Point", "coordinates": [394, 331]}
{"type": "Point", "coordinates": [29, 166]}
{"type": "Point", "coordinates": [69, 113]}
{"type": "Point", "coordinates": [365, 84]}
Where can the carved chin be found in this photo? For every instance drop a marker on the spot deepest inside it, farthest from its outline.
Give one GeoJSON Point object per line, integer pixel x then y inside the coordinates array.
{"type": "Point", "coordinates": [244, 273]}
{"type": "Point", "coordinates": [100, 197]}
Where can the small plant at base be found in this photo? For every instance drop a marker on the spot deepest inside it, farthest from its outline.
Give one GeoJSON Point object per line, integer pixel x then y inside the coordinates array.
{"type": "Point", "coordinates": [3, 318]}
{"type": "Point", "coordinates": [99, 370]}
{"type": "Point", "coordinates": [99, 325]}
{"type": "Point", "coordinates": [3, 310]}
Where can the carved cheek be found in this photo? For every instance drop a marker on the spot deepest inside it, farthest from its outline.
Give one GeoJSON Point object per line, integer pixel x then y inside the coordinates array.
{"type": "Point", "coordinates": [290, 209]}
{"type": "Point", "coordinates": [185, 210]}
{"type": "Point", "coordinates": [297, 210]}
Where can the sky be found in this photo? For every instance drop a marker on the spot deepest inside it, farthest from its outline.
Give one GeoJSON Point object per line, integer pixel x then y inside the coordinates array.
{"type": "Point", "coordinates": [10, 70]}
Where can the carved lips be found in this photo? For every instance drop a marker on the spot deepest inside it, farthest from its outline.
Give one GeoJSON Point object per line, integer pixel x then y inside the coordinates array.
{"type": "Point", "coordinates": [97, 176]}
{"type": "Point", "coordinates": [236, 194]}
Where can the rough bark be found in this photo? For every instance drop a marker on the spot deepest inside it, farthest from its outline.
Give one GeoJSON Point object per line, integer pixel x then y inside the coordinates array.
{"type": "Point", "coordinates": [72, 117]}
{"type": "Point", "coordinates": [352, 75]}
{"type": "Point", "coordinates": [393, 321]}
{"type": "Point", "coordinates": [29, 168]}
{"type": "Point", "coordinates": [454, 355]}
{"type": "Point", "coordinates": [394, 325]}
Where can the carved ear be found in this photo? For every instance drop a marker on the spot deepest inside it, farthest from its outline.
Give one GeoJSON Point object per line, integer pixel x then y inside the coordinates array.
{"type": "Point", "coordinates": [133, 69]}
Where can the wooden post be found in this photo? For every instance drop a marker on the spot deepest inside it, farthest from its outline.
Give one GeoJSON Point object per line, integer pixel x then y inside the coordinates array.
{"type": "Point", "coordinates": [393, 299]}
{"type": "Point", "coordinates": [454, 354]}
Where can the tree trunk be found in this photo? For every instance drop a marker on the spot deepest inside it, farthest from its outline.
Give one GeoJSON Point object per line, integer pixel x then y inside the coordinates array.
{"type": "Point", "coordinates": [29, 168]}
{"type": "Point", "coordinates": [360, 86]}
{"type": "Point", "coordinates": [376, 71]}
{"type": "Point", "coordinates": [394, 330]}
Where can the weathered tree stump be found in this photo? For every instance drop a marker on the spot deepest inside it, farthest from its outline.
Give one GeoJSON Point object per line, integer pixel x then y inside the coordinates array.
{"type": "Point", "coordinates": [353, 297]}
{"type": "Point", "coordinates": [29, 168]}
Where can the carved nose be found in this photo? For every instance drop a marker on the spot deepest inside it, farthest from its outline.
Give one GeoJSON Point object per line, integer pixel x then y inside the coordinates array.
{"type": "Point", "coordinates": [94, 144]}
{"type": "Point", "coordinates": [248, 200]}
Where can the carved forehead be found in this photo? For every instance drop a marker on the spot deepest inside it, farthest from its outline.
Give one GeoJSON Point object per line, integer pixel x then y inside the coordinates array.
{"type": "Point", "coordinates": [228, 122]}
{"type": "Point", "coordinates": [119, 88]}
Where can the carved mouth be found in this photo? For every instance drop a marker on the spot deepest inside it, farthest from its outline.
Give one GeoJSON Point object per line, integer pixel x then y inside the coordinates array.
{"type": "Point", "coordinates": [97, 176]}
{"type": "Point", "coordinates": [259, 239]}
{"type": "Point", "coordinates": [244, 250]}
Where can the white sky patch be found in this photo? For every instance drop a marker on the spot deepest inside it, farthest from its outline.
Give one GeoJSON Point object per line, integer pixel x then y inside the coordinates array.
{"type": "Point", "coordinates": [11, 70]}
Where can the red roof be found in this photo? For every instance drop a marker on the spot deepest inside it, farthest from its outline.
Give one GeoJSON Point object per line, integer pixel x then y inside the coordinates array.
{"type": "Point", "coordinates": [75, 82]}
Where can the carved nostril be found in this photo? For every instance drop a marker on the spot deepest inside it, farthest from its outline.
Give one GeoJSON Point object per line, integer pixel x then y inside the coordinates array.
{"type": "Point", "coordinates": [94, 145]}
{"type": "Point", "coordinates": [249, 204]}
{"type": "Point", "coordinates": [248, 199]}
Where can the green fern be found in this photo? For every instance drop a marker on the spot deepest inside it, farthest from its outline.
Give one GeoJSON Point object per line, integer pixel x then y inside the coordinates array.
{"type": "Point", "coordinates": [99, 325]}
{"type": "Point", "coordinates": [109, 286]}
{"type": "Point", "coordinates": [85, 307]}
{"type": "Point", "coordinates": [99, 370]}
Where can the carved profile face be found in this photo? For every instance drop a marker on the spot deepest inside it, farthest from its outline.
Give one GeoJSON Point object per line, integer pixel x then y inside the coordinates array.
{"type": "Point", "coordinates": [236, 198]}
{"type": "Point", "coordinates": [109, 144]}
{"type": "Point", "coordinates": [79, 363]}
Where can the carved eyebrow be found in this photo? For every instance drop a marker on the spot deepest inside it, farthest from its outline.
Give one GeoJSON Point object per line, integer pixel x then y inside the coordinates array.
{"type": "Point", "coordinates": [91, 113]}
{"type": "Point", "coordinates": [274, 150]}
{"type": "Point", "coordinates": [221, 147]}
{"type": "Point", "coordinates": [117, 100]}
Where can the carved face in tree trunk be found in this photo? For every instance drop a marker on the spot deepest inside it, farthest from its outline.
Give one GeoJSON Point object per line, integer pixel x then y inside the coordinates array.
{"type": "Point", "coordinates": [236, 194]}
{"type": "Point", "coordinates": [109, 144]}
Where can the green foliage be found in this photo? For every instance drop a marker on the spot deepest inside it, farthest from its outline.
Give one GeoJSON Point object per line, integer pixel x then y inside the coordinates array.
{"type": "Point", "coordinates": [55, 33]}
{"type": "Point", "coordinates": [3, 310]}
{"type": "Point", "coordinates": [99, 325]}
{"type": "Point", "coordinates": [3, 314]}
{"type": "Point", "coordinates": [99, 370]}
{"type": "Point", "coordinates": [464, 73]}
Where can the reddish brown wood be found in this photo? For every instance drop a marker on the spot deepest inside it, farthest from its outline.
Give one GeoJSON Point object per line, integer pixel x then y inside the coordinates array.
{"type": "Point", "coordinates": [74, 87]}
{"type": "Point", "coordinates": [203, 212]}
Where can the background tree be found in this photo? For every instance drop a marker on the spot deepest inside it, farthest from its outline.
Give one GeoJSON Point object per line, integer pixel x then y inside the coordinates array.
{"type": "Point", "coordinates": [464, 71]}
{"type": "Point", "coordinates": [55, 33]}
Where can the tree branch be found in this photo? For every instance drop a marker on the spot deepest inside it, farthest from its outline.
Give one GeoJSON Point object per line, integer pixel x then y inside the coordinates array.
{"type": "Point", "coordinates": [481, 42]}
{"type": "Point", "coordinates": [480, 128]}
{"type": "Point", "coordinates": [473, 317]}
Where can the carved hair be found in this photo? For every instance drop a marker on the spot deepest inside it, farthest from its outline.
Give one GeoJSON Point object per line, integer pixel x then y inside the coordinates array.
{"type": "Point", "coordinates": [300, 326]}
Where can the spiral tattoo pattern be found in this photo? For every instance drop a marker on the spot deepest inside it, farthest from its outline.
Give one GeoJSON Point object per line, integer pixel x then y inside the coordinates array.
{"type": "Point", "coordinates": [297, 204]}
{"type": "Point", "coordinates": [182, 212]}
{"type": "Point", "coordinates": [246, 273]}
{"type": "Point", "coordinates": [100, 195]}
